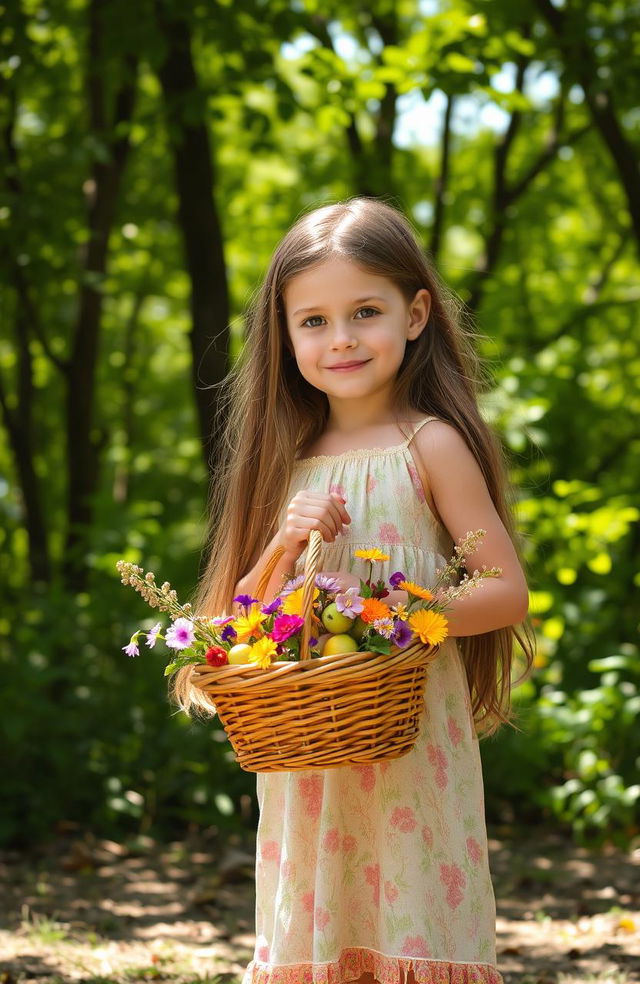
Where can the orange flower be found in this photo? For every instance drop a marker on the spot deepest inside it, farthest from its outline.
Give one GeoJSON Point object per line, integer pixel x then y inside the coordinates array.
{"type": "Point", "coordinates": [373, 609]}
{"type": "Point", "coordinates": [415, 589]}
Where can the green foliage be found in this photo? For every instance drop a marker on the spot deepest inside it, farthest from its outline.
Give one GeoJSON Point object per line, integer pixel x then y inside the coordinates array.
{"type": "Point", "coordinates": [304, 103]}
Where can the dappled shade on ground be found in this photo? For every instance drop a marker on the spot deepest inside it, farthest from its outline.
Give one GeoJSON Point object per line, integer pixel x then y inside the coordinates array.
{"type": "Point", "coordinates": [104, 913]}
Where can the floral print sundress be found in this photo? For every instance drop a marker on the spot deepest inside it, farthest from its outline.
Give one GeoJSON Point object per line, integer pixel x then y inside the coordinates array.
{"type": "Point", "coordinates": [380, 868]}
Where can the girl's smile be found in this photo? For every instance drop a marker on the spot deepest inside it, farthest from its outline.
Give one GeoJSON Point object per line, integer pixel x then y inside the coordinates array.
{"type": "Point", "coordinates": [349, 329]}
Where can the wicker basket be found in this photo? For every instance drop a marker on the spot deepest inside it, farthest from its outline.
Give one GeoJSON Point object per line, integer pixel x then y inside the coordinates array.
{"type": "Point", "coordinates": [320, 712]}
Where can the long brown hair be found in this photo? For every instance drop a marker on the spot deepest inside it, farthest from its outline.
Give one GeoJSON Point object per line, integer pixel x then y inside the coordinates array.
{"type": "Point", "coordinates": [269, 412]}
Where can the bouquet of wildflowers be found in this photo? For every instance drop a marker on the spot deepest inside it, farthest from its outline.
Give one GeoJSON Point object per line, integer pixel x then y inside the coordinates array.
{"type": "Point", "coordinates": [357, 619]}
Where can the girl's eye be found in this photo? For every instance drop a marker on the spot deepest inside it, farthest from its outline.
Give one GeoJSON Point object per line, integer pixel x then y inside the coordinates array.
{"type": "Point", "coordinates": [315, 320]}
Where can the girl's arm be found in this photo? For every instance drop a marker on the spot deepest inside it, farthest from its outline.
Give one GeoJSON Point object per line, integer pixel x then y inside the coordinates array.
{"type": "Point", "coordinates": [449, 469]}
{"type": "Point", "coordinates": [308, 510]}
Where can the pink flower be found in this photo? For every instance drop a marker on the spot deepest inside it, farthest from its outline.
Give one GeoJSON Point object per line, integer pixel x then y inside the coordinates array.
{"type": "Point", "coordinates": [331, 840]}
{"type": "Point", "coordinates": [308, 901]}
{"type": "Point", "coordinates": [439, 762]}
{"type": "Point", "coordinates": [415, 946]}
{"type": "Point", "coordinates": [348, 844]}
{"type": "Point", "coordinates": [287, 869]}
{"type": "Point", "coordinates": [285, 626]}
{"type": "Point", "coordinates": [153, 635]}
{"type": "Point", "coordinates": [474, 850]}
{"type": "Point", "coordinates": [390, 891]}
{"type": "Point", "coordinates": [181, 634]}
{"type": "Point", "coordinates": [367, 777]}
{"type": "Point", "coordinates": [372, 877]}
{"type": "Point", "coordinates": [437, 756]}
{"type": "Point", "coordinates": [271, 851]}
{"type": "Point", "coordinates": [322, 918]}
{"type": "Point", "coordinates": [427, 835]}
{"type": "Point", "coordinates": [455, 732]}
{"type": "Point", "coordinates": [388, 533]}
{"type": "Point", "coordinates": [453, 877]}
{"type": "Point", "coordinates": [404, 819]}
{"type": "Point", "coordinates": [311, 788]}
{"type": "Point", "coordinates": [417, 484]}
{"type": "Point", "coordinates": [338, 489]}
{"type": "Point", "coordinates": [262, 952]}
{"type": "Point", "coordinates": [371, 483]}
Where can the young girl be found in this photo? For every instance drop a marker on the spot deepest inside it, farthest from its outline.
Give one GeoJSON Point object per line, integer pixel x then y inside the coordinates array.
{"type": "Point", "coordinates": [353, 410]}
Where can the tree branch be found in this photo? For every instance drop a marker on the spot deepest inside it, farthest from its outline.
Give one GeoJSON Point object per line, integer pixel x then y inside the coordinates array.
{"type": "Point", "coordinates": [442, 180]}
{"type": "Point", "coordinates": [581, 61]}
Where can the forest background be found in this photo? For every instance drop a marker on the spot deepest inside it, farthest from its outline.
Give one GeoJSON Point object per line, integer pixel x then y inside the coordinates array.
{"type": "Point", "coordinates": [153, 154]}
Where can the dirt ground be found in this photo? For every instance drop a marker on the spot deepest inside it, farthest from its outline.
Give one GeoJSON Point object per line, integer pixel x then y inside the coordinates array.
{"type": "Point", "coordinates": [97, 912]}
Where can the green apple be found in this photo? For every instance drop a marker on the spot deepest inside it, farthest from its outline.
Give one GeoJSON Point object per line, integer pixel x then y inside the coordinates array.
{"type": "Point", "coordinates": [334, 620]}
{"type": "Point", "coordinates": [339, 643]}
{"type": "Point", "coordinates": [358, 629]}
{"type": "Point", "coordinates": [239, 653]}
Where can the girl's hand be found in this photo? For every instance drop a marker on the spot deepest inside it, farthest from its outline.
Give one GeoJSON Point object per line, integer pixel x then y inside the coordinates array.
{"type": "Point", "coordinates": [345, 580]}
{"type": "Point", "coordinates": [323, 511]}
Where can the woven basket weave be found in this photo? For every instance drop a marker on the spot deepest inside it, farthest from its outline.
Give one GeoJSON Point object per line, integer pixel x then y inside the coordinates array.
{"type": "Point", "coordinates": [320, 712]}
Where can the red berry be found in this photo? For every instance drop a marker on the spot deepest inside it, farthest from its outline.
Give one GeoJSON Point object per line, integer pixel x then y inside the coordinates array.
{"type": "Point", "coordinates": [216, 656]}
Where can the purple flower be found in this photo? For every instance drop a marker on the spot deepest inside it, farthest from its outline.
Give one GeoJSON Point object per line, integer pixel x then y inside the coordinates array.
{"type": "Point", "coordinates": [292, 585]}
{"type": "Point", "coordinates": [327, 583]}
{"type": "Point", "coordinates": [402, 634]}
{"type": "Point", "coordinates": [395, 579]}
{"type": "Point", "coordinates": [132, 648]}
{"type": "Point", "coordinates": [246, 600]}
{"type": "Point", "coordinates": [153, 635]}
{"type": "Point", "coordinates": [181, 634]}
{"type": "Point", "coordinates": [273, 607]}
{"type": "Point", "coordinates": [313, 641]}
{"type": "Point", "coordinates": [286, 626]}
{"type": "Point", "coordinates": [228, 633]}
{"type": "Point", "coordinates": [222, 620]}
{"type": "Point", "coordinates": [349, 602]}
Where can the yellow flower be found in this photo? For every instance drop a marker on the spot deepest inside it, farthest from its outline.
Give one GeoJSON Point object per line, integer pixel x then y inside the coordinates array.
{"type": "Point", "coordinates": [292, 604]}
{"type": "Point", "coordinates": [263, 652]}
{"type": "Point", "coordinates": [415, 589]}
{"type": "Point", "coordinates": [373, 554]}
{"type": "Point", "coordinates": [432, 627]}
{"type": "Point", "coordinates": [400, 611]}
{"type": "Point", "coordinates": [250, 624]}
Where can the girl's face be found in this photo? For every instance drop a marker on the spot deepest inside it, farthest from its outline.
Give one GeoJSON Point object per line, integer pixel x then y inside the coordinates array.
{"type": "Point", "coordinates": [349, 329]}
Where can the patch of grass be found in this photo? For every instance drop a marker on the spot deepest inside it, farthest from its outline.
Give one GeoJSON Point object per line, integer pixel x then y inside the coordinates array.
{"type": "Point", "coordinates": [42, 929]}
{"type": "Point", "coordinates": [610, 977]}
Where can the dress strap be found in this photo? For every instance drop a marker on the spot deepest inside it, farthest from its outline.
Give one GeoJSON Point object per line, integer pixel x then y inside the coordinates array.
{"type": "Point", "coordinates": [420, 424]}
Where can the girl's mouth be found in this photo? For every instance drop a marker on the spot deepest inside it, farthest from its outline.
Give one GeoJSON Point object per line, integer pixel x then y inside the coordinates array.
{"type": "Point", "coordinates": [348, 366]}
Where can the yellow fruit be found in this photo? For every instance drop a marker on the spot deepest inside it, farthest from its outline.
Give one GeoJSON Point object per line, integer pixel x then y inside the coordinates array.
{"type": "Point", "coordinates": [340, 643]}
{"type": "Point", "coordinates": [239, 653]}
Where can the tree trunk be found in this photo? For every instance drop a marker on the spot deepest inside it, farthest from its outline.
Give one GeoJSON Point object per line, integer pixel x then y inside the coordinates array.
{"type": "Point", "coordinates": [200, 224]}
{"type": "Point", "coordinates": [84, 444]}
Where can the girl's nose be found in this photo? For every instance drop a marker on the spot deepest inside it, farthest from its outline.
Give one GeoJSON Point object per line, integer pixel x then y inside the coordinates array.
{"type": "Point", "coordinates": [343, 336]}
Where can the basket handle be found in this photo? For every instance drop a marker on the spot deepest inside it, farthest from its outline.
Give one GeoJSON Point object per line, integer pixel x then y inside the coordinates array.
{"type": "Point", "coordinates": [310, 570]}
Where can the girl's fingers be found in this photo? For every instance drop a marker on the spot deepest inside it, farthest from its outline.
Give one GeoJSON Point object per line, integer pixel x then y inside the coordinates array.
{"type": "Point", "coordinates": [327, 513]}
{"type": "Point", "coordinates": [338, 505]}
{"type": "Point", "coordinates": [304, 527]}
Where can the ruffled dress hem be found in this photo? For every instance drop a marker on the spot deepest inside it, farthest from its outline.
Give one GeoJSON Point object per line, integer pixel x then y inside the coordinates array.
{"type": "Point", "coordinates": [355, 961]}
